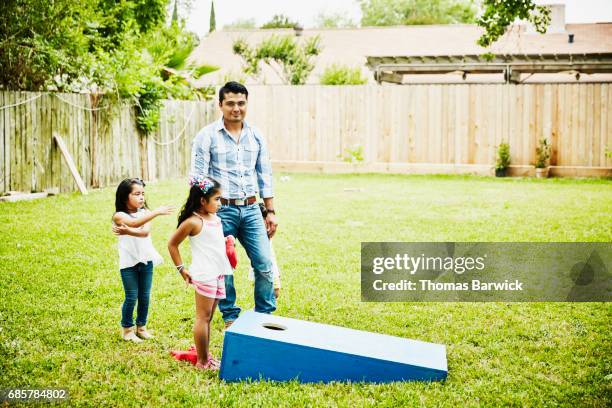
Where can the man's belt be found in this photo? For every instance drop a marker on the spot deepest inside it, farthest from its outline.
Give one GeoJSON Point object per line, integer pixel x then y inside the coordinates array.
{"type": "Point", "coordinates": [236, 201]}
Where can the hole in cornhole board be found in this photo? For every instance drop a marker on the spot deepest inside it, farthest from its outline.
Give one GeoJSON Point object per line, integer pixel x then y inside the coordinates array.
{"type": "Point", "coordinates": [274, 326]}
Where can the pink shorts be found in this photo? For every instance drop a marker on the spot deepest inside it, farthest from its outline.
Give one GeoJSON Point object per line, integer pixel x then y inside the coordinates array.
{"type": "Point", "coordinates": [214, 289]}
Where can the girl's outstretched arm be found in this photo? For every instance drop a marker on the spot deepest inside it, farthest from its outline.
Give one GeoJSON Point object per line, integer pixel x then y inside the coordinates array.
{"type": "Point", "coordinates": [182, 232]}
{"type": "Point", "coordinates": [122, 218]}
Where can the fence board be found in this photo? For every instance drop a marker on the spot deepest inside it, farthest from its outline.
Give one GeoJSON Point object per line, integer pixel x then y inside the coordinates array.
{"type": "Point", "coordinates": [3, 177]}
{"type": "Point", "coordinates": [16, 154]}
{"type": "Point", "coordinates": [35, 147]}
{"type": "Point", "coordinates": [41, 152]}
{"type": "Point", "coordinates": [605, 126]}
{"type": "Point", "coordinates": [16, 141]}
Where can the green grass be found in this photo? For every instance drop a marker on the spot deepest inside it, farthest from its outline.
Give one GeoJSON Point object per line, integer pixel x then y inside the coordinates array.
{"type": "Point", "coordinates": [60, 296]}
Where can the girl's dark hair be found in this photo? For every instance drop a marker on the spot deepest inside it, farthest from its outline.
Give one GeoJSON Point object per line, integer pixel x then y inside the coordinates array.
{"type": "Point", "coordinates": [123, 191]}
{"type": "Point", "coordinates": [194, 200]}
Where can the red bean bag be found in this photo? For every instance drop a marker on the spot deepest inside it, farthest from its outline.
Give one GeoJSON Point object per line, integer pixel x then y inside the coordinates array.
{"type": "Point", "coordinates": [230, 249]}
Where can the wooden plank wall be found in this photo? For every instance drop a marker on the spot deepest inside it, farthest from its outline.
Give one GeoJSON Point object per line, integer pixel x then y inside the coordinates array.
{"type": "Point", "coordinates": [396, 125]}
{"type": "Point", "coordinates": [104, 143]}
{"type": "Point", "coordinates": [436, 124]}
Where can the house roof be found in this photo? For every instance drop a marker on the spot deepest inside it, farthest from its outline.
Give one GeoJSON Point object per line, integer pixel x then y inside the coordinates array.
{"type": "Point", "coordinates": [352, 46]}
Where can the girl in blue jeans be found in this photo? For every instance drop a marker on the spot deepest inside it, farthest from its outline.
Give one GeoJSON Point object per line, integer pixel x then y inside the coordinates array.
{"type": "Point", "coordinates": [137, 256]}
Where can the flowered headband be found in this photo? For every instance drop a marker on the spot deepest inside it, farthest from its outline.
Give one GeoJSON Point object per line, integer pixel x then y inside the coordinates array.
{"type": "Point", "coordinates": [202, 182]}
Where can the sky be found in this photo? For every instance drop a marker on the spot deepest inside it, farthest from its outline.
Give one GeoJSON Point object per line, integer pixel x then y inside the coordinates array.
{"type": "Point", "coordinates": [228, 11]}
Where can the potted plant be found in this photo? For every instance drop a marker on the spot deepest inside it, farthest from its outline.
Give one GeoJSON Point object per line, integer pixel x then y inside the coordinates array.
{"type": "Point", "coordinates": [542, 156]}
{"type": "Point", "coordinates": [503, 159]}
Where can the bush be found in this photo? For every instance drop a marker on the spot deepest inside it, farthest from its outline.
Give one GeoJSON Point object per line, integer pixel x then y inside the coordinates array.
{"type": "Point", "coordinates": [542, 154]}
{"type": "Point", "coordinates": [353, 154]}
{"type": "Point", "coordinates": [279, 21]}
{"type": "Point", "coordinates": [503, 156]}
{"type": "Point", "coordinates": [342, 75]}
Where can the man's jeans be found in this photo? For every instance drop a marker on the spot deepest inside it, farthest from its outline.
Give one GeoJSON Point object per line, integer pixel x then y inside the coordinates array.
{"type": "Point", "coordinates": [137, 281]}
{"type": "Point", "coordinates": [247, 225]}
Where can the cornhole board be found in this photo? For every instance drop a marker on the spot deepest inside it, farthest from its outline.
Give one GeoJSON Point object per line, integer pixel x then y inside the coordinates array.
{"type": "Point", "coordinates": [261, 346]}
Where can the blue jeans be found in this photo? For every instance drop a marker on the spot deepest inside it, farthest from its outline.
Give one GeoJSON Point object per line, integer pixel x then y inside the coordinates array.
{"type": "Point", "coordinates": [137, 282]}
{"type": "Point", "coordinates": [247, 225]}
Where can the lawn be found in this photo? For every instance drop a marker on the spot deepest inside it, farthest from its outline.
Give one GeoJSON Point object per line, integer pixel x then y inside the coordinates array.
{"type": "Point", "coordinates": [60, 295]}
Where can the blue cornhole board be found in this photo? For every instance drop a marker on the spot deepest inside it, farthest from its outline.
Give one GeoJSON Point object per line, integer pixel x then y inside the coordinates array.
{"type": "Point", "coordinates": [313, 352]}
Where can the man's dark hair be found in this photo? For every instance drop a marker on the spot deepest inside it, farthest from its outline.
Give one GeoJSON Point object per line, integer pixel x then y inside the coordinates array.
{"type": "Point", "coordinates": [233, 87]}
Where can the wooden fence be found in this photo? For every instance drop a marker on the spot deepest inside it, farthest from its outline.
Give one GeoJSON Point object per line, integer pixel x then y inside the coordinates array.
{"type": "Point", "coordinates": [437, 128]}
{"type": "Point", "coordinates": [413, 128]}
{"type": "Point", "coordinates": [104, 142]}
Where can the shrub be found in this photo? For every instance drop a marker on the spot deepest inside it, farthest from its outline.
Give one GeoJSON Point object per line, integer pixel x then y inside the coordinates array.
{"type": "Point", "coordinates": [342, 75]}
{"type": "Point", "coordinates": [542, 154]}
{"type": "Point", "coordinates": [503, 156]}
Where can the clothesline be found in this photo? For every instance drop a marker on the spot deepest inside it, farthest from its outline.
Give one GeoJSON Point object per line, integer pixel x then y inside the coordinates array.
{"type": "Point", "coordinates": [180, 134]}
{"type": "Point", "coordinates": [58, 97]}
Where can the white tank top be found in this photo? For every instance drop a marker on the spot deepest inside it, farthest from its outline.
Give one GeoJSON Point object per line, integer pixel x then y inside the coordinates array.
{"type": "Point", "coordinates": [134, 250]}
{"type": "Point", "coordinates": [208, 256]}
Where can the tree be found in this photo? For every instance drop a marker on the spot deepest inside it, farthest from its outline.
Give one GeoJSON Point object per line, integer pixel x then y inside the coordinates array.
{"type": "Point", "coordinates": [213, 22]}
{"type": "Point", "coordinates": [100, 47]}
{"type": "Point", "coordinates": [415, 12]}
{"type": "Point", "coordinates": [175, 13]}
{"type": "Point", "coordinates": [119, 18]}
{"type": "Point", "coordinates": [179, 8]}
{"type": "Point", "coordinates": [173, 73]}
{"type": "Point", "coordinates": [495, 19]}
{"type": "Point", "coordinates": [279, 21]}
{"type": "Point", "coordinates": [334, 20]}
{"type": "Point", "coordinates": [294, 59]}
{"type": "Point", "coordinates": [499, 14]}
{"type": "Point", "coordinates": [44, 41]}
{"type": "Point", "coordinates": [241, 24]}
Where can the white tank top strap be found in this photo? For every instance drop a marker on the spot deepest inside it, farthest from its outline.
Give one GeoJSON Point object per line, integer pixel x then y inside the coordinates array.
{"type": "Point", "coordinates": [201, 219]}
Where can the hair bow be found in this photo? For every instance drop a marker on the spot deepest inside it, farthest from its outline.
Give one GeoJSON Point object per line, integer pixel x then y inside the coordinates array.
{"type": "Point", "coordinates": [204, 183]}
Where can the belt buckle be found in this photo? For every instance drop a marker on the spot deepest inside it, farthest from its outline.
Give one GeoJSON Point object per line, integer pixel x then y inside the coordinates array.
{"type": "Point", "coordinates": [238, 202]}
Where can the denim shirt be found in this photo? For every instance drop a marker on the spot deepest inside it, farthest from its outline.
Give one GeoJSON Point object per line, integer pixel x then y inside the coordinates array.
{"type": "Point", "coordinates": [242, 169]}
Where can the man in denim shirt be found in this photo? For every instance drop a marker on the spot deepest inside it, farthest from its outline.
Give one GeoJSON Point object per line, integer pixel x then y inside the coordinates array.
{"type": "Point", "coordinates": [235, 154]}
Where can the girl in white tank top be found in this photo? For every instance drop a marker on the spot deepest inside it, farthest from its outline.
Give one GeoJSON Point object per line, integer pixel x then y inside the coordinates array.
{"type": "Point", "coordinates": [137, 256]}
{"type": "Point", "coordinates": [209, 261]}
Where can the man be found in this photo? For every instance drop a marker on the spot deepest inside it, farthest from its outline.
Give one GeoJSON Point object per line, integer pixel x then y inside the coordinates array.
{"type": "Point", "coordinates": [235, 154]}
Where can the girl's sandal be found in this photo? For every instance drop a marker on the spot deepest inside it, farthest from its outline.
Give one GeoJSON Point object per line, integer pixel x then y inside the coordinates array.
{"type": "Point", "coordinates": [129, 335]}
{"type": "Point", "coordinates": [213, 360]}
{"type": "Point", "coordinates": [208, 366]}
{"type": "Point", "coordinates": [141, 331]}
